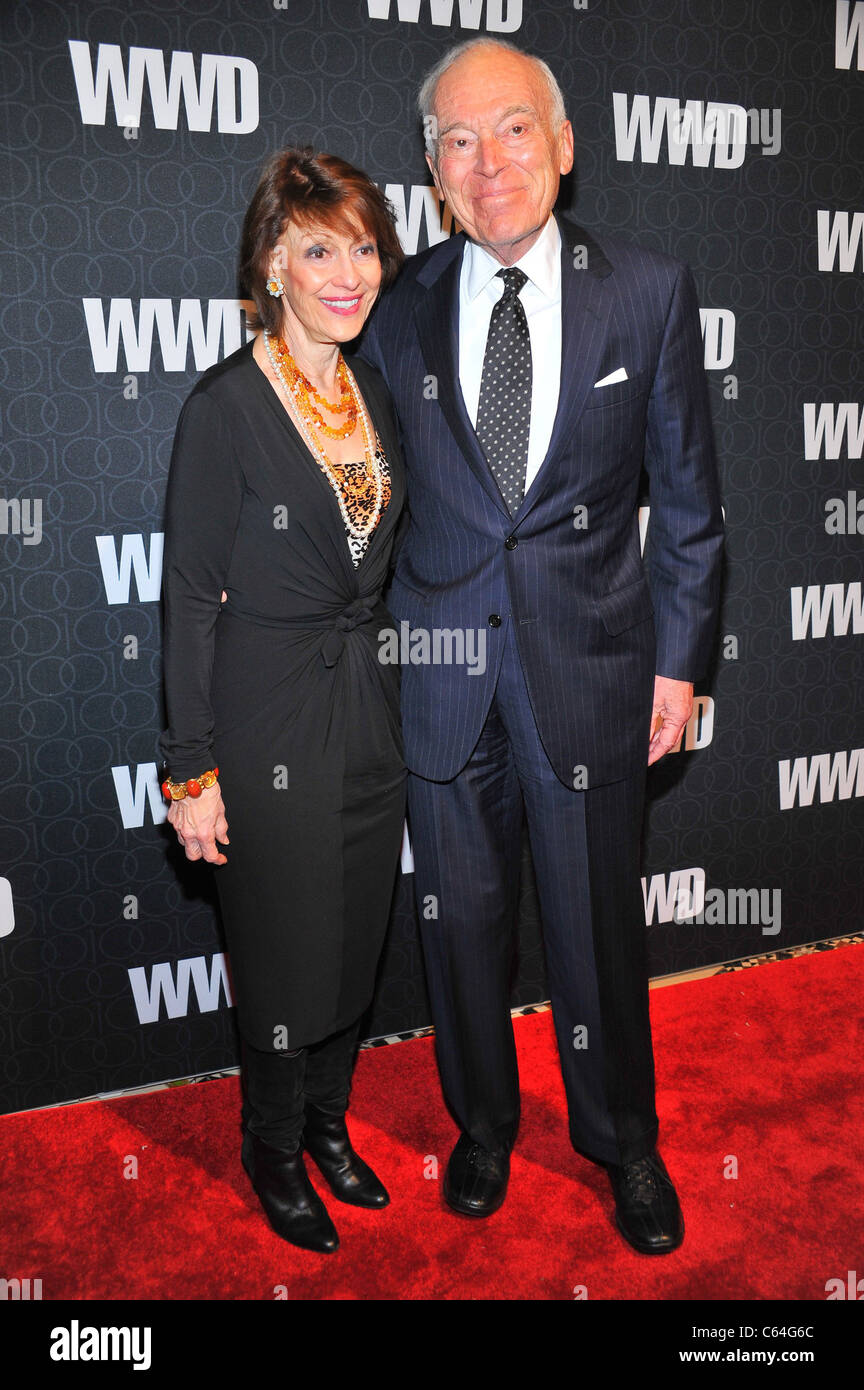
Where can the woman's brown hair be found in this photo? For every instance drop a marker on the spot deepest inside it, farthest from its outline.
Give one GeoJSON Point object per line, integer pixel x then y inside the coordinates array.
{"type": "Point", "coordinates": [301, 186]}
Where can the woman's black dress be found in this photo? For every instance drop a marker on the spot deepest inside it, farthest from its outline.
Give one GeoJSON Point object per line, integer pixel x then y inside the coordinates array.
{"type": "Point", "coordinates": [282, 688]}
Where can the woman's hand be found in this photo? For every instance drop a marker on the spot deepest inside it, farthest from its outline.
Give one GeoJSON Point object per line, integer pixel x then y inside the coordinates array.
{"type": "Point", "coordinates": [199, 822]}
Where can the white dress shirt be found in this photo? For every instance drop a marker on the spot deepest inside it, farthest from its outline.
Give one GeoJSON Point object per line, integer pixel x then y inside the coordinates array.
{"type": "Point", "coordinates": [479, 290]}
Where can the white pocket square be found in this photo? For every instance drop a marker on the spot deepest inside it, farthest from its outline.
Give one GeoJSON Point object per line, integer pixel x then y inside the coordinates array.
{"type": "Point", "coordinates": [619, 375]}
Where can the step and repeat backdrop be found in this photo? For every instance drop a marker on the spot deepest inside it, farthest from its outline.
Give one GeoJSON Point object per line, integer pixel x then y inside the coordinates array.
{"type": "Point", "coordinates": [728, 134]}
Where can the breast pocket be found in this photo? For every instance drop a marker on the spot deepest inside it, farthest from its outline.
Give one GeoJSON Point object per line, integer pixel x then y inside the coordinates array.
{"type": "Point", "coordinates": [601, 397]}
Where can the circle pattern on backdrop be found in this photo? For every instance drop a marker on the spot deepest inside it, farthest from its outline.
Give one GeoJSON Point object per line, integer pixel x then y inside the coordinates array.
{"type": "Point", "coordinates": [124, 214]}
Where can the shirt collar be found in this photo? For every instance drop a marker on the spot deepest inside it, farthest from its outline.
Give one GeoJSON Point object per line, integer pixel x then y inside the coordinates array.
{"type": "Point", "coordinates": [542, 263]}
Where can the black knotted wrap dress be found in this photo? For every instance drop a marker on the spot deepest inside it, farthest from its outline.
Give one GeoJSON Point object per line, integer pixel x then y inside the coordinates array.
{"type": "Point", "coordinates": [283, 689]}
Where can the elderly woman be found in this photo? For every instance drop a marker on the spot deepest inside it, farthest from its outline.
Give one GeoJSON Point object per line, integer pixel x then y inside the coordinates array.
{"type": "Point", "coordinates": [283, 496]}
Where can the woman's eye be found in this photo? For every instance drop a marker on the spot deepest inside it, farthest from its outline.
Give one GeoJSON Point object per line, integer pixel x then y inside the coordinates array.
{"type": "Point", "coordinates": [316, 251]}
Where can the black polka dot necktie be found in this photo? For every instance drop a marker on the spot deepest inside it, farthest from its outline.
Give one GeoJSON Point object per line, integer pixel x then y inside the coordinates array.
{"type": "Point", "coordinates": [504, 410]}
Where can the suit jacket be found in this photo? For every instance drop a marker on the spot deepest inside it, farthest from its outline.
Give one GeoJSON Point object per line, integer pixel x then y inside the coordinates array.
{"type": "Point", "coordinates": [592, 622]}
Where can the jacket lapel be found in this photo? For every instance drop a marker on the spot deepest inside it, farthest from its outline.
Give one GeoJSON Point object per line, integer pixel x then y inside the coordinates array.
{"type": "Point", "coordinates": [437, 319]}
{"type": "Point", "coordinates": [585, 308]}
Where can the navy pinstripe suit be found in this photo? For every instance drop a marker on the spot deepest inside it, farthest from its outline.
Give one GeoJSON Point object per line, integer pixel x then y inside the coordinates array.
{"type": "Point", "coordinates": [576, 628]}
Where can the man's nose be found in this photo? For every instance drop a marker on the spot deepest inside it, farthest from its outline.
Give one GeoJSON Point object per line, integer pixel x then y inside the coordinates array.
{"type": "Point", "coordinates": [490, 156]}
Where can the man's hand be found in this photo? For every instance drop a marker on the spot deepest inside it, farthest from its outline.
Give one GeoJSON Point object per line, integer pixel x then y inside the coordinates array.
{"type": "Point", "coordinates": [199, 821]}
{"type": "Point", "coordinates": [673, 705]}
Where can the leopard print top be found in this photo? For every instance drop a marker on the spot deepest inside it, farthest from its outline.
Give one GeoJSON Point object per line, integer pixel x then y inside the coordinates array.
{"type": "Point", "coordinates": [358, 495]}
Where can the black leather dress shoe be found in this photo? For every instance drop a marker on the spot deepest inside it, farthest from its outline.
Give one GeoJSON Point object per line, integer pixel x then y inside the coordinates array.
{"type": "Point", "coordinates": [475, 1183]}
{"type": "Point", "coordinates": [293, 1207]}
{"type": "Point", "coordinates": [326, 1140]}
{"type": "Point", "coordinates": [647, 1212]}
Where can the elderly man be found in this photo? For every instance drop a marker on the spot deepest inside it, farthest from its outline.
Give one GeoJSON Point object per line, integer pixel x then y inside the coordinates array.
{"type": "Point", "coordinates": [535, 369]}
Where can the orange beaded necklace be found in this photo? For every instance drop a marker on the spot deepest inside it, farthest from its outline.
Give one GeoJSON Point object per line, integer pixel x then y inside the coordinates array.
{"type": "Point", "coordinates": [299, 390]}
{"type": "Point", "coordinates": [306, 394]}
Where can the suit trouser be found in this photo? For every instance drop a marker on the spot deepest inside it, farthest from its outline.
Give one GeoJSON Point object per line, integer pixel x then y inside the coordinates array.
{"type": "Point", "coordinates": [466, 837]}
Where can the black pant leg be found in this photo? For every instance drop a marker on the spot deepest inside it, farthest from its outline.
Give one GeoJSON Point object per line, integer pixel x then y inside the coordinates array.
{"type": "Point", "coordinates": [329, 1068]}
{"type": "Point", "coordinates": [273, 1089]}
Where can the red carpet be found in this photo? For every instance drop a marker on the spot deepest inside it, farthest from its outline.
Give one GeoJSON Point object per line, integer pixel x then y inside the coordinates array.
{"type": "Point", "coordinates": [762, 1064]}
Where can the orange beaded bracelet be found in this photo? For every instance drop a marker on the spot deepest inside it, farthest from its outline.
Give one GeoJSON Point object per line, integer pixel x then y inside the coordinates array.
{"type": "Point", "coordinates": [175, 791]}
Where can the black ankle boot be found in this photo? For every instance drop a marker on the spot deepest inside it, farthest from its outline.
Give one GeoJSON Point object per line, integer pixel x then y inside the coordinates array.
{"type": "Point", "coordinates": [326, 1139]}
{"type": "Point", "coordinates": [272, 1154]}
{"type": "Point", "coordinates": [293, 1207]}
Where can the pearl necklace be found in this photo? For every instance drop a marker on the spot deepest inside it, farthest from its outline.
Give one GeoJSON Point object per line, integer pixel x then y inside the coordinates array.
{"type": "Point", "coordinates": [324, 463]}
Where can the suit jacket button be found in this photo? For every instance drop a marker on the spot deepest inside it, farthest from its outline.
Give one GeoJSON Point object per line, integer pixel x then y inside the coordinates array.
{"type": "Point", "coordinates": [494, 619]}
{"type": "Point", "coordinates": [511, 543]}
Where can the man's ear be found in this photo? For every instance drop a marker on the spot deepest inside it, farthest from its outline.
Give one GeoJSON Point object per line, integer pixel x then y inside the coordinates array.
{"type": "Point", "coordinates": [565, 148]}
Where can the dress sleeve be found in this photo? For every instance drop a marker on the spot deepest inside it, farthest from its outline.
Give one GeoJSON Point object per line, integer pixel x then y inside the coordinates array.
{"type": "Point", "coordinates": [202, 510]}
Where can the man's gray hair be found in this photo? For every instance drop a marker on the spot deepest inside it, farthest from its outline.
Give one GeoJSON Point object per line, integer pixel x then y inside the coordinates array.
{"type": "Point", "coordinates": [426, 95]}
